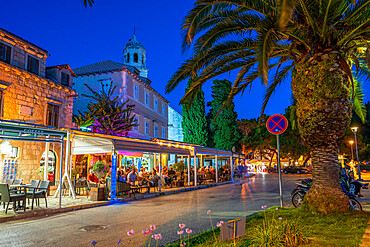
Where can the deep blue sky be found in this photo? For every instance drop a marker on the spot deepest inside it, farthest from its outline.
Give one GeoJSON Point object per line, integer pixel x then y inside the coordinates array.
{"type": "Point", "coordinates": [79, 36]}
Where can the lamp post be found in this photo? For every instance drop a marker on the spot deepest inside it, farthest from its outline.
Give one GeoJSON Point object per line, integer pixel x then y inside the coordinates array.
{"type": "Point", "coordinates": [354, 130]}
{"type": "Point", "coordinates": [351, 143]}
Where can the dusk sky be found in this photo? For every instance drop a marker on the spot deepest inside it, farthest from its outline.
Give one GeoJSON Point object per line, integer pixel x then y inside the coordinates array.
{"type": "Point", "coordinates": [79, 36]}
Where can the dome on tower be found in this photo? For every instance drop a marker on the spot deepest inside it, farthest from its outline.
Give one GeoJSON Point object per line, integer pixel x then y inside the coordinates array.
{"type": "Point", "coordinates": [134, 55]}
{"type": "Point", "coordinates": [133, 43]}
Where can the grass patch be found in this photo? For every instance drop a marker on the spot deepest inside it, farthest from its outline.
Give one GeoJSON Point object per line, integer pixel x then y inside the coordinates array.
{"type": "Point", "coordinates": [337, 230]}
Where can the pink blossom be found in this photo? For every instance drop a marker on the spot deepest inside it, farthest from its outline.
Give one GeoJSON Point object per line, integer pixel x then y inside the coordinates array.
{"type": "Point", "coordinates": [157, 236]}
{"type": "Point", "coordinates": [209, 211]}
{"type": "Point", "coordinates": [105, 167]}
{"type": "Point", "coordinates": [219, 223]}
{"type": "Point", "coordinates": [263, 207]}
{"type": "Point", "coordinates": [280, 218]}
{"type": "Point", "coordinates": [182, 225]}
{"type": "Point", "coordinates": [183, 244]}
{"type": "Point", "coordinates": [180, 232]}
{"type": "Point", "coordinates": [277, 208]}
{"type": "Point", "coordinates": [188, 231]}
{"type": "Point", "coordinates": [153, 227]}
{"type": "Point", "coordinates": [131, 233]}
{"type": "Point", "coordinates": [146, 232]}
{"type": "Point", "coordinates": [102, 171]}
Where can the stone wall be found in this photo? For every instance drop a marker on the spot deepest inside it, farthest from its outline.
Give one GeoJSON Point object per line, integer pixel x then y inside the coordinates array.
{"type": "Point", "coordinates": [25, 99]}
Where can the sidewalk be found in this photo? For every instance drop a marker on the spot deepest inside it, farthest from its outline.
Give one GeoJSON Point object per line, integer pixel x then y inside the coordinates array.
{"type": "Point", "coordinates": [82, 202]}
{"type": "Point", "coordinates": [365, 202]}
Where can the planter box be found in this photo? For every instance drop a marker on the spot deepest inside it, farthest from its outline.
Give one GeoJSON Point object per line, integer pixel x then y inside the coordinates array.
{"type": "Point", "coordinates": [97, 194]}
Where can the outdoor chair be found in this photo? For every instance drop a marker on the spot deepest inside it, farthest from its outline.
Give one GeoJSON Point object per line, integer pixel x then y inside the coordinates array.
{"type": "Point", "coordinates": [39, 192]}
{"type": "Point", "coordinates": [7, 197]}
{"type": "Point", "coordinates": [17, 181]}
{"type": "Point", "coordinates": [79, 185]}
{"type": "Point", "coordinates": [154, 184]}
{"type": "Point", "coordinates": [89, 186]}
{"type": "Point", "coordinates": [34, 183]}
{"type": "Point", "coordinates": [9, 181]}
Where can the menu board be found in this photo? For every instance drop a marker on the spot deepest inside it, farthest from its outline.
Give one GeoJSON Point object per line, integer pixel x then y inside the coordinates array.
{"type": "Point", "coordinates": [10, 169]}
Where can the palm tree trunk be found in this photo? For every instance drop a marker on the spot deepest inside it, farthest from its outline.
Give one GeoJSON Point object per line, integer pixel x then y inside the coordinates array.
{"type": "Point", "coordinates": [321, 89]}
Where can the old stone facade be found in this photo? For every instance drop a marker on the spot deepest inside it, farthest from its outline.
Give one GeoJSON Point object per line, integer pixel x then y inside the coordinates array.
{"type": "Point", "coordinates": [27, 95]}
{"type": "Point", "coordinates": [150, 108]}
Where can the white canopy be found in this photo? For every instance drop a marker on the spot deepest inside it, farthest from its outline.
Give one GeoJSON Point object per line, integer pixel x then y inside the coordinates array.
{"type": "Point", "coordinates": [91, 145]}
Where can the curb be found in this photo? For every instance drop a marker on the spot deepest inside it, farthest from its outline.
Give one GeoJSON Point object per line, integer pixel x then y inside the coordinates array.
{"type": "Point", "coordinates": [48, 212]}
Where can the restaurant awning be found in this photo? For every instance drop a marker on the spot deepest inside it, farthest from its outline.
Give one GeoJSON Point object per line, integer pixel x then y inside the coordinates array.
{"type": "Point", "coordinates": [90, 143]}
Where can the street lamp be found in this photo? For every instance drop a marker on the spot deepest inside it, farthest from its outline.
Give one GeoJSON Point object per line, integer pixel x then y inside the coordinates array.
{"type": "Point", "coordinates": [351, 143]}
{"type": "Point", "coordinates": [354, 130]}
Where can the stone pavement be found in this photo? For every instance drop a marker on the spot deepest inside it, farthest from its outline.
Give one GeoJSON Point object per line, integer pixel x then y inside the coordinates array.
{"type": "Point", "coordinates": [82, 202]}
{"type": "Point", "coordinates": [365, 202]}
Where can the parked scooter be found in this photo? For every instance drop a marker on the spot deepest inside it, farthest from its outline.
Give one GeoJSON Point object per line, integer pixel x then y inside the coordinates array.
{"type": "Point", "coordinates": [300, 191]}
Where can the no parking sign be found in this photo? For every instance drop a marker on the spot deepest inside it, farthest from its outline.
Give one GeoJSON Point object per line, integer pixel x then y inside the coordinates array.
{"type": "Point", "coordinates": [277, 124]}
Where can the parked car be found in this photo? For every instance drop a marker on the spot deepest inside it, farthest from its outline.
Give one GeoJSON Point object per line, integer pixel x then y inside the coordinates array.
{"type": "Point", "coordinates": [294, 169]}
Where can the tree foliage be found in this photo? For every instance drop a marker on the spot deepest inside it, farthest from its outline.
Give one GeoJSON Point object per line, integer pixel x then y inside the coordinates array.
{"type": "Point", "coordinates": [223, 122]}
{"type": "Point", "coordinates": [194, 123]}
{"type": "Point", "coordinates": [106, 114]}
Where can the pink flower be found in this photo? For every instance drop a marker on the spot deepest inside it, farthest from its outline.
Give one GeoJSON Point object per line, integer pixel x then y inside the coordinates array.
{"type": "Point", "coordinates": [188, 231]}
{"type": "Point", "coordinates": [153, 227]}
{"type": "Point", "coordinates": [280, 218]}
{"type": "Point", "coordinates": [131, 233]}
{"type": "Point", "coordinates": [159, 236]}
{"type": "Point", "coordinates": [102, 171]}
{"type": "Point", "coordinates": [183, 244]}
{"type": "Point", "coordinates": [105, 167]}
{"type": "Point", "coordinates": [263, 207]}
{"type": "Point", "coordinates": [180, 232]}
{"type": "Point", "coordinates": [219, 223]}
{"type": "Point", "coordinates": [182, 225]}
{"type": "Point", "coordinates": [146, 232]}
{"type": "Point", "coordinates": [277, 208]}
{"type": "Point", "coordinates": [209, 211]}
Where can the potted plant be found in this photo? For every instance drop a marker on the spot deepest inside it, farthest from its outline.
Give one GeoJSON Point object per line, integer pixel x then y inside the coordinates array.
{"type": "Point", "coordinates": [100, 169]}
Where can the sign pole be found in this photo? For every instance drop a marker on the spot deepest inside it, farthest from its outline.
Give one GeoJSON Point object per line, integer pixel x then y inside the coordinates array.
{"type": "Point", "coordinates": [277, 124]}
{"type": "Point", "coordinates": [279, 167]}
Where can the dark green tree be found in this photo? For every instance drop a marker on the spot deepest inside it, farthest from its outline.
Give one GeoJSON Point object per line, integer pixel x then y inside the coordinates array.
{"type": "Point", "coordinates": [223, 122]}
{"type": "Point", "coordinates": [106, 114]}
{"type": "Point", "coordinates": [194, 123]}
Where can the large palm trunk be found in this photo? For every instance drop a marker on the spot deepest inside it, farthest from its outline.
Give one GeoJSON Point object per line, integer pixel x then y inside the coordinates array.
{"type": "Point", "coordinates": [321, 89]}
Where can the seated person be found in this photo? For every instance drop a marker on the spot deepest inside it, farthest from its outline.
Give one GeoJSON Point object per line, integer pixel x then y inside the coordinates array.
{"type": "Point", "coordinates": [131, 177]}
{"type": "Point", "coordinates": [153, 179]}
{"type": "Point", "coordinates": [171, 171]}
{"type": "Point", "coordinates": [92, 178]}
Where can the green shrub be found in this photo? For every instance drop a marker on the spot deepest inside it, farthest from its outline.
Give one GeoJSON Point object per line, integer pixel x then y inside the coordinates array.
{"type": "Point", "coordinates": [278, 233]}
{"type": "Point", "coordinates": [100, 169]}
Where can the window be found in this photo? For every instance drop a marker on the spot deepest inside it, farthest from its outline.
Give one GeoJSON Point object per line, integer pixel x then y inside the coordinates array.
{"type": "Point", "coordinates": [127, 57]}
{"type": "Point", "coordinates": [146, 128]}
{"type": "Point", "coordinates": [136, 128]}
{"type": "Point", "coordinates": [33, 65]}
{"type": "Point", "coordinates": [1, 103]}
{"type": "Point", "coordinates": [163, 133]}
{"type": "Point", "coordinates": [146, 98]}
{"type": "Point", "coordinates": [156, 104]}
{"type": "Point", "coordinates": [106, 84]}
{"type": "Point", "coordinates": [52, 115]}
{"type": "Point", "coordinates": [155, 131]}
{"type": "Point", "coordinates": [4, 53]}
{"type": "Point", "coordinates": [65, 79]}
{"type": "Point", "coordinates": [136, 91]}
{"type": "Point", "coordinates": [136, 58]}
{"type": "Point", "coordinates": [163, 109]}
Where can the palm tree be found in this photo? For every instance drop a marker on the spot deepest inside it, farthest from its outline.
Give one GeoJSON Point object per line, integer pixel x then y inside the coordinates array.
{"type": "Point", "coordinates": [318, 43]}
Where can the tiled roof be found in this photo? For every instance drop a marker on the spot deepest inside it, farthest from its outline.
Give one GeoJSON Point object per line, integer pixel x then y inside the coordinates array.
{"type": "Point", "coordinates": [99, 67]}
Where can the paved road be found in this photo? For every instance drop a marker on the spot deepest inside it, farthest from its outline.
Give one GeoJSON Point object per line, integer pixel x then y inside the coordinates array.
{"type": "Point", "coordinates": [108, 224]}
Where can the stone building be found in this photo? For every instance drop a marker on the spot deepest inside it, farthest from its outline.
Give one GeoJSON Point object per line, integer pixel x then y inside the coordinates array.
{"type": "Point", "coordinates": [33, 93]}
{"type": "Point", "coordinates": [131, 79]}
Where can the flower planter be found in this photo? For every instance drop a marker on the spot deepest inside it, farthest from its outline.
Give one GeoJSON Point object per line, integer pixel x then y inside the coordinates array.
{"type": "Point", "coordinates": [97, 194]}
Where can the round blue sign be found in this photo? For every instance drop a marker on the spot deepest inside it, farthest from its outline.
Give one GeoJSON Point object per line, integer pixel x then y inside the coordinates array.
{"type": "Point", "coordinates": [277, 124]}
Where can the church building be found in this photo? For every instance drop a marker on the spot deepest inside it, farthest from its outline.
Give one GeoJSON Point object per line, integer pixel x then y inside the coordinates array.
{"type": "Point", "coordinates": [131, 79]}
